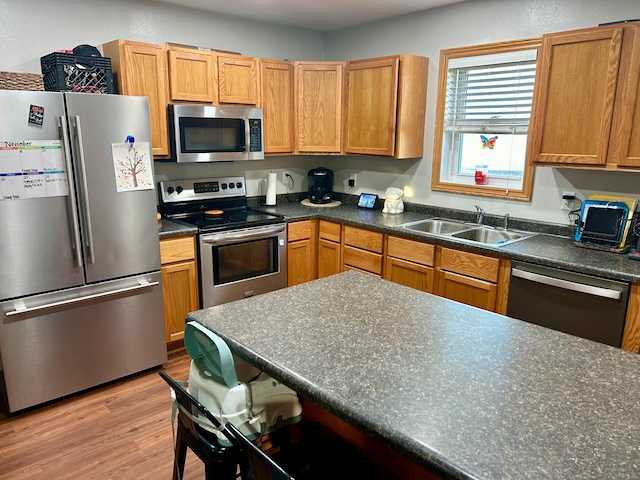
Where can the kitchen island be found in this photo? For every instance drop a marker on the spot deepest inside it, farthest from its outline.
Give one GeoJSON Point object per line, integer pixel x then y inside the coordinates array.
{"type": "Point", "coordinates": [460, 391]}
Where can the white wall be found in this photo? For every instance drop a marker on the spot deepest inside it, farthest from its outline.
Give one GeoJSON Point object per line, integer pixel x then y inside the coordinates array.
{"type": "Point", "coordinates": [30, 29]}
{"type": "Point", "coordinates": [470, 23]}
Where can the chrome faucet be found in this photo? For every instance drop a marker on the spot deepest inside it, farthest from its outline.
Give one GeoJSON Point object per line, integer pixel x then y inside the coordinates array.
{"type": "Point", "coordinates": [505, 223]}
{"type": "Point", "coordinates": [479, 215]}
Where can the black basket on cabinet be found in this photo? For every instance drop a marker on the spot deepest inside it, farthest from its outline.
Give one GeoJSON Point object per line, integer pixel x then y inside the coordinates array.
{"type": "Point", "coordinates": [65, 72]}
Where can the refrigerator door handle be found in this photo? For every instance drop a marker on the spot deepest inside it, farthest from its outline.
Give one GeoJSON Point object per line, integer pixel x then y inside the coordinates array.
{"type": "Point", "coordinates": [21, 309]}
{"type": "Point", "coordinates": [85, 191]}
{"type": "Point", "coordinates": [75, 227]}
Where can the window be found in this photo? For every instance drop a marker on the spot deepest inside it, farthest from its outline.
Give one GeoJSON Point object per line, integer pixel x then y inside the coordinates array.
{"type": "Point", "coordinates": [484, 104]}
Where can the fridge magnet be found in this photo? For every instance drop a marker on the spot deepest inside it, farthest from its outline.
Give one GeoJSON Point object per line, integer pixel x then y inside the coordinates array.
{"type": "Point", "coordinates": [36, 115]}
{"type": "Point", "coordinates": [132, 166]}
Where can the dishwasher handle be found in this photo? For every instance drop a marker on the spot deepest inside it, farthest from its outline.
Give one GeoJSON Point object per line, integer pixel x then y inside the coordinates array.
{"type": "Point", "coordinates": [566, 284]}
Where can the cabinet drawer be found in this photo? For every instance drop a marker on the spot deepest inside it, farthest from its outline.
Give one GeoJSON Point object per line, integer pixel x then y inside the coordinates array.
{"type": "Point", "coordinates": [177, 249]}
{"type": "Point", "coordinates": [470, 264]}
{"type": "Point", "coordinates": [299, 230]}
{"type": "Point", "coordinates": [410, 250]}
{"type": "Point", "coordinates": [330, 231]}
{"type": "Point", "coordinates": [371, 262]}
{"type": "Point", "coordinates": [365, 239]}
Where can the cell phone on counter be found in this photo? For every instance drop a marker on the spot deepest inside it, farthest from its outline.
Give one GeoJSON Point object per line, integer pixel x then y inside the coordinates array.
{"type": "Point", "coordinates": [367, 200]}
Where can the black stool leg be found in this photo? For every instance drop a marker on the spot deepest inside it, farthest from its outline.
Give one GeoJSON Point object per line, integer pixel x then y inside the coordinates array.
{"type": "Point", "coordinates": [180, 457]}
{"type": "Point", "coordinates": [220, 470]}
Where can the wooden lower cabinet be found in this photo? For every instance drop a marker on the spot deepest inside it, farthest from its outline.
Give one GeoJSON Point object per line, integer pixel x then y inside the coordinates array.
{"type": "Point", "coordinates": [329, 248]}
{"type": "Point", "coordinates": [301, 252]}
{"type": "Point", "coordinates": [362, 250]}
{"type": "Point", "coordinates": [410, 263]}
{"type": "Point", "coordinates": [473, 279]}
{"type": "Point", "coordinates": [179, 283]}
{"type": "Point", "coordinates": [319, 248]}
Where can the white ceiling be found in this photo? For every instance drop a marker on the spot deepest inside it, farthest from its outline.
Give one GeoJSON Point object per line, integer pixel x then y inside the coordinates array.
{"type": "Point", "coordinates": [321, 15]}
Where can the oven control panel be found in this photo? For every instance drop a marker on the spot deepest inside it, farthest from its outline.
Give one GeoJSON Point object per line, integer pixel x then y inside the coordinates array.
{"type": "Point", "coordinates": [202, 189]}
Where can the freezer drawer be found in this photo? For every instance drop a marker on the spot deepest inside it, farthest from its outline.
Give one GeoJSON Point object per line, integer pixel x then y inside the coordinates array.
{"type": "Point", "coordinates": [61, 343]}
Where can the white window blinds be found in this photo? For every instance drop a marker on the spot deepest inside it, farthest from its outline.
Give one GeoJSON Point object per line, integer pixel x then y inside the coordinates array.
{"type": "Point", "coordinates": [490, 97]}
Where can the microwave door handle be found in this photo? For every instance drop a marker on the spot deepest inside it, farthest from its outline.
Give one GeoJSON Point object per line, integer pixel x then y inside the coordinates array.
{"type": "Point", "coordinates": [85, 191]}
{"type": "Point", "coordinates": [75, 222]}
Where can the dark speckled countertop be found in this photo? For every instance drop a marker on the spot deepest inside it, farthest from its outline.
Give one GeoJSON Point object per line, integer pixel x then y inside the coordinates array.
{"type": "Point", "coordinates": [552, 246]}
{"type": "Point", "coordinates": [464, 393]}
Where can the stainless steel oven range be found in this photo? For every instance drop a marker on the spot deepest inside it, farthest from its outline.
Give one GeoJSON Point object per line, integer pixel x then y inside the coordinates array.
{"type": "Point", "coordinates": [241, 251]}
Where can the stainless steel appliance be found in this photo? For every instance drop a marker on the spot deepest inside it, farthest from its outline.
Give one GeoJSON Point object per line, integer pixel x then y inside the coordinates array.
{"type": "Point", "coordinates": [242, 251]}
{"type": "Point", "coordinates": [201, 133]}
{"type": "Point", "coordinates": [80, 293]}
{"type": "Point", "coordinates": [320, 185]}
{"type": "Point", "coordinates": [574, 303]}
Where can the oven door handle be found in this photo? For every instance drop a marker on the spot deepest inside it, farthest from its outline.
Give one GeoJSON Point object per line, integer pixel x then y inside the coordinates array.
{"type": "Point", "coordinates": [246, 234]}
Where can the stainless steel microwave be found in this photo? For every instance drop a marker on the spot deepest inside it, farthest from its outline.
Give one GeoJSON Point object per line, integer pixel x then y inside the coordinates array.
{"type": "Point", "coordinates": [202, 133]}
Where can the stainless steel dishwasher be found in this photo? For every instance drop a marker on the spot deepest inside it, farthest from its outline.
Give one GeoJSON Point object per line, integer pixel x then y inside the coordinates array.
{"type": "Point", "coordinates": [573, 303]}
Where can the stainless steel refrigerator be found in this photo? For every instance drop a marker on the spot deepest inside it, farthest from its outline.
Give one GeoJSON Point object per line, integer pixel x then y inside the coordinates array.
{"type": "Point", "coordinates": [80, 291]}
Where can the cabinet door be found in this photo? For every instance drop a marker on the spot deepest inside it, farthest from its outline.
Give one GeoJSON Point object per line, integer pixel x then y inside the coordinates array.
{"type": "Point", "coordinates": [372, 94]}
{"type": "Point", "coordinates": [192, 74]}
{"type": "Point", "coordinates": [410, 274]}
{"type": "Point", "coordinates": [625, 136]}
{"type": "Point", "coordinates": [276, 100]}
{"type": "Point", "coordinates": [237, 80]}
{"type": "Point", "coordinates": [301, 251]}
{"type": "Point", "coordinates": [180, 292]}
{"type": "Point", "coordinates": [319, 106]}
{"type": "Point", "coordinates": [574, 96]}
{"type": "Point", "coordinates": [328, 258]}
{"type": "Point", "coordinates": [472, 291]}
{"type": "Point", "coordinates": [300, 262]}
{"type": "Point", "coordinates": [141, 69]}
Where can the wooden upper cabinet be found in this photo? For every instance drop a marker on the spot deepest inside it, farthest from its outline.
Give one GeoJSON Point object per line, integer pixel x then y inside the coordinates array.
{"type": "Point", "coordinates": [141, 69]}
{"type": "Point", "coordinates": [192, 75]}
{"type": "Point", "coordinates": [585, 110]}
{"type": "Point", "coordinates": [624, 147]}
{"type": "Point", "coordinates": [386, 105]}
{"type": "Point", "coordinates": [319, 106]}
{"type": "Point", "coordinates": [237, 79]}
{"type": "Point", "coordinates": [276, 100]}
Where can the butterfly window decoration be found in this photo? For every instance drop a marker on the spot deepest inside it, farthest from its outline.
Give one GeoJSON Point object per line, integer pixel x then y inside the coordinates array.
{"type": "Point", "coordinates": [488, 142]}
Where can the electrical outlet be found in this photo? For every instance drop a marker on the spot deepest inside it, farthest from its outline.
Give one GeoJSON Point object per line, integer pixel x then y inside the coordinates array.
{"type": "Point", "coordinates": [566, 198]}
{"type": "Point", "coordinates": [353, 180]}
{"type": "Point", "coordinates": [285, 180]}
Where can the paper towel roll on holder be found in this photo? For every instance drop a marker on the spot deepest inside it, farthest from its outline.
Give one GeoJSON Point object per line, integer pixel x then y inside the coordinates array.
{"type": "Point", "coordinates": [272, 182]}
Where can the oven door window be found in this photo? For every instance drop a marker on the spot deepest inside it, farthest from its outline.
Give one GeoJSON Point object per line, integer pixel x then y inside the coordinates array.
{"type": "Point", "coordinates": [209, 135]}
{"type": "Point", "coordinates": [241, 261]}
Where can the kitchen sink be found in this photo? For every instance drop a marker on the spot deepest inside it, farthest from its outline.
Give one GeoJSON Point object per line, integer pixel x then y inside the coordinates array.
{"type": "Point", "coordinates": [470, 232]}
{"type": "Point", "coordinates": [491, 235]}
{"type": "Point", "coordinates": [438, 226]}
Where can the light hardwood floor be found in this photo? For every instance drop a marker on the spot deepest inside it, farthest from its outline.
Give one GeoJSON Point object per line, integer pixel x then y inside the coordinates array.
{"type": "Point", "coordinates": [119, 431]}
{"type": "Point", "coordinates": [123, 431]}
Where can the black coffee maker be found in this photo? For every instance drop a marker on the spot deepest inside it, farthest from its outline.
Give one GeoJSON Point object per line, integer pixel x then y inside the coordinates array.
{"type": "Point", "coordinates": [320, 185]}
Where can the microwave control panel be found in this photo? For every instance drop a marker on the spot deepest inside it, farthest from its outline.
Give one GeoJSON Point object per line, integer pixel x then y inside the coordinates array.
{"type": "Point", "coordinates": [255, 135]}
